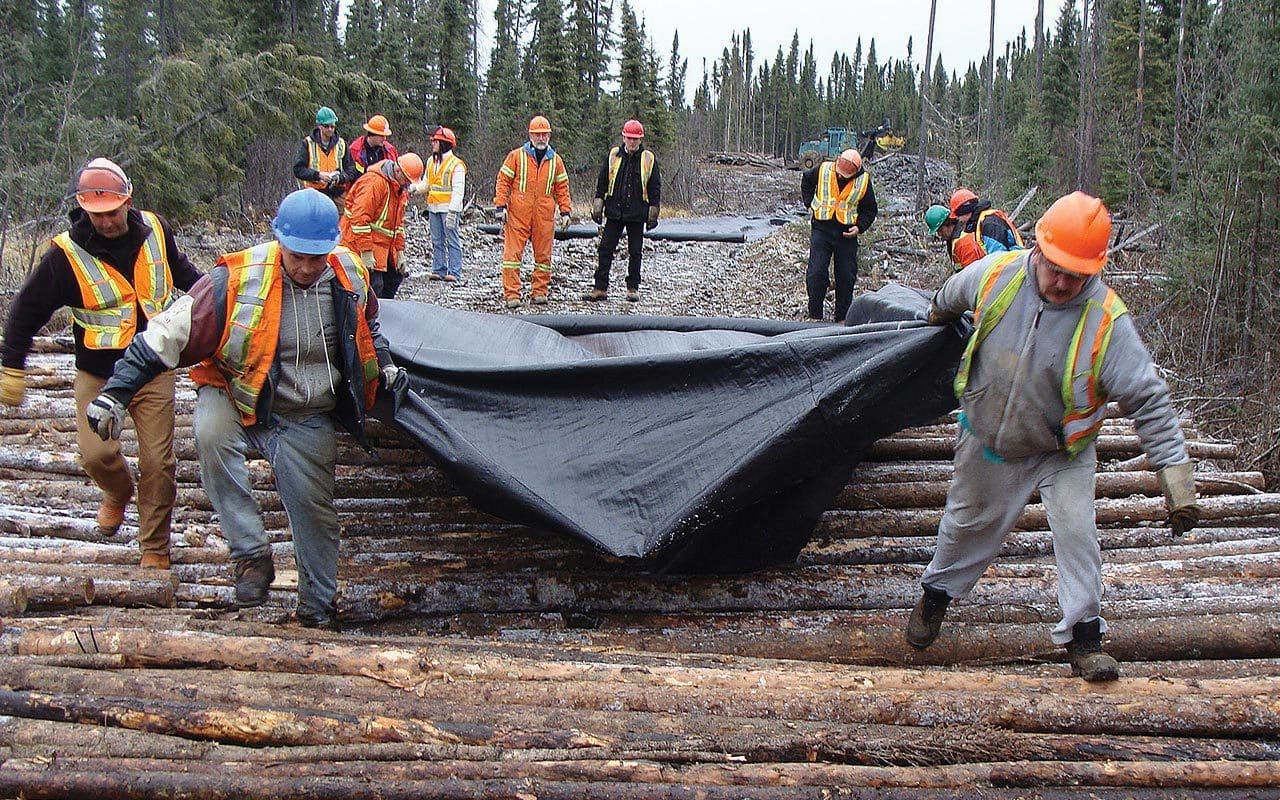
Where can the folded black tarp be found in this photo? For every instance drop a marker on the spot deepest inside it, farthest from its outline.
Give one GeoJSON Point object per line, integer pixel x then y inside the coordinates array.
{"type": "Point", "coordinates": [681, 229]}
{"type": "Point", "coordinates": [691, 444]}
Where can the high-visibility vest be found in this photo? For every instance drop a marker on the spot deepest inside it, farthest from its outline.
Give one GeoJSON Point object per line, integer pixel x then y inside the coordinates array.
{"type": "Point", "coordinates": [556, 172]}
{"type": "Point", "coordinates": [321, 161]}
{"type": "Point", "coordinates": [970, 246]}
{"type": "Point", "coordinates": [1083, 398]}
{"type": "Point", "coordinates": [108, 314]}
{"type": "Point", "coordinates": [831, 201]}
{"type": "Point", "coordinates": [247, 349]}
{"type": "Point", "coordinates": [440, 177]}
{"type": "Point", "coordinates": [646, 170]}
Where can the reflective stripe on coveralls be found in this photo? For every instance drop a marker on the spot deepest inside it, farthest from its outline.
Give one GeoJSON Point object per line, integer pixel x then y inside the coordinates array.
{"type": "Point", "coordinates": [252, 333]}
{"type": "Point", "coordinates": [829, 201]}
{"type": "Point", "coordinates": [107, 316]}
{"type": "Point", "coordinates": [1082, 398]}
{"type": "Point", "coordinates": [646, 170]}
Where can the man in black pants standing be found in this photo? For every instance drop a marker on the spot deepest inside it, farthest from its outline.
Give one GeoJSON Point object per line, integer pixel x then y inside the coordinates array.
{"type": "Point", "coordinates": [843, 205]}
{"type": "Point", "coordinates": [628, 195]}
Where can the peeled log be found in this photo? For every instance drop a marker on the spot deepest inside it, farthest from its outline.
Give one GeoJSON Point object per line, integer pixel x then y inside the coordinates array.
{"type": "Point", "coordinates": [54, 591]}
{"type": "Point", "coordinates": [13, 599]}
{"type": "Point", "coordinates": [942, 447]}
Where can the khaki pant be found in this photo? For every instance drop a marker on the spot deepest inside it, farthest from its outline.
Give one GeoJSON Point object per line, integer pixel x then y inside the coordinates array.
{"type": "Point", "coordinates": [152, 412]}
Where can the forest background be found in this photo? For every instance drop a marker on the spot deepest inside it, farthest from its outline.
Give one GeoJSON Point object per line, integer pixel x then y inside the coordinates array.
{"type": "Point", "coordinates": [1168, 109]}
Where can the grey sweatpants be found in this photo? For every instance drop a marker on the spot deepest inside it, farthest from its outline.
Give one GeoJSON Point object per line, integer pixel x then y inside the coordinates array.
{"type": "Point", "coordinates": [984, 501]}
{"type": "Point", "coordinates": [302, 454]}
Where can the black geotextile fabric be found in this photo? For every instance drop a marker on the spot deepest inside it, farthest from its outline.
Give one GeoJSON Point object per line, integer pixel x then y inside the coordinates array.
{"type": "Point", "coordinates": [690, 444]}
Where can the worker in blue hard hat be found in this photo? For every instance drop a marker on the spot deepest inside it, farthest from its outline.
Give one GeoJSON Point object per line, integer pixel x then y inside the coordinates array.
{"type": "Point", "coordinates": [285, 335]}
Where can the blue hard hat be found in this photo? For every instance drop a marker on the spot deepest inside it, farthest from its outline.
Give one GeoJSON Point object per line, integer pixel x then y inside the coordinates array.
{"type": "Point", "coordinates": [307, 223]}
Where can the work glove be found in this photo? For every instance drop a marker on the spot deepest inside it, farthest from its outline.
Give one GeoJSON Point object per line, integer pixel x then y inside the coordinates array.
{"type": "Point", "coordinates": [106, 417]}
{"type": "Point", "coordinates": [653, 218]}
{"type": "Point", "coordinates": [565, 219]}
{"type": "Point", "coordinates": [393, 377]}
{"type": "Point", "coordinates": [1178, 483]}
{"type": "Point", "coordinates": [417, 187]}
{"type": "Point", "coordinates": [500, 214]}
{"type": "Point", "coordinates": [13, 386]}
{"type": "Point", "coordinates": [597, 210]}
{"type": "Point", "coordinates": [367, 258]}
{"type": "Point", "coordinates": [451, 221]}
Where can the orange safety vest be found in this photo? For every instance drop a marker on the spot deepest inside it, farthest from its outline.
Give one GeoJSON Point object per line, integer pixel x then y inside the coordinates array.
{"type": "Point", "coordinates": [440, 177]}
{"type": "Point", "coordinates": [968, 247]}
{"type": "Point", "coordinates": [831, 201]}
{"type": "Point", "coordinates": [108, 314]}
{"type": "Point", "coordinates": [321, 161]}
{"type": "Point", "coordinates": [247, 349]}
{"type": "Point", "coordinates": [1083, 398]}
{"type": "Point", "coordinates": [646, 170]}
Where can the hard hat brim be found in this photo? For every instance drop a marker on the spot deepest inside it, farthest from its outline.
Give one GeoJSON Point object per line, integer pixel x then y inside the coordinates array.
{"type": "Point", "coordinates": [101, 202]}
{"type": "Point", "coordinates": [306, 247]}
{"type": "Point", "coordinates": [1069, 262]}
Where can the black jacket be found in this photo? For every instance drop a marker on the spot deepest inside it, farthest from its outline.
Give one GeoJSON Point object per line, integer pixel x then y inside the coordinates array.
{"type": "Point", "coordinates": [867, 207]}
{"type": "Point", "coordinates": [627, 202]}
{"type": "Point", "coordinates": [303, 171]}
{"type": "Point", "coordinates": [52, 285]}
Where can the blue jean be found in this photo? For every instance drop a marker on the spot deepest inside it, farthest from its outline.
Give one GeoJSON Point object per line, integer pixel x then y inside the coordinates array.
{"type": "Point", "coordinates": [446, 246]}
{"type": "Point", "coordinates": [302, 454]}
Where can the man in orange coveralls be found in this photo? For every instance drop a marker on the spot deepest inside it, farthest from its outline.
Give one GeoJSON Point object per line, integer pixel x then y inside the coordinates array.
{"type": "Point", "coordinates": [373, 220]}
{"type": "Point", "coordinates": [532, 184]}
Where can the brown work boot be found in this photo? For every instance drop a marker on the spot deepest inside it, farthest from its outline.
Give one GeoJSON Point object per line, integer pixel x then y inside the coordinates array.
{"type": "Point", "coordinates": [253, 579]}
{"type": "Point", "coordinates": [513, 302]}
{"type": "Point", "coordinates": [110, 518]}
{"type": "Point", "coordinates": [154, 561]}
{"type": "Point", "coordinates": [1085, 651]}
{"type": "Point", "coordinates": [538, 299]}
{"type": "Point", "coordinates": [926, 617]}
{"type": "Point", "coordinates": [596, 295]}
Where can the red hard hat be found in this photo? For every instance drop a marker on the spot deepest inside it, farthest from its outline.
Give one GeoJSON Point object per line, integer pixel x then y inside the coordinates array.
{"type": "Point", "coordinates": [1074, 232]}
{"type": "Point", "coordinates": [959, 197]}
{"type": "Point", "coordinates": [633, 128]}
{"type": "Point", "coordinates": [444, 134]}
{"type": "Point", "coordinates": [102, 186]}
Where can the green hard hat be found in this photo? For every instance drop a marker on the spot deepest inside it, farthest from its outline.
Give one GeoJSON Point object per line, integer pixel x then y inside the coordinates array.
{"type": "Point", "coordinates": [934, 217]}
{"type": "Point", "coordinates": [325, 116]}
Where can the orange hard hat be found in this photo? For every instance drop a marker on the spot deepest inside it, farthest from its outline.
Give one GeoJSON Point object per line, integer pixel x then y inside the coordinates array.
{"type": "Point", "coordinates": [377, 125]}
{"type": "Point", "coordinates": [102, 186]}
{"type": "Point", "coordinates": [444, 134]}
{"type": "Point", "coordinates": [539, 124]}
{"type": "Point", "coordinates": [1074, 232]}
{"type": "Point", "coordinates": [633, 128]}
{"type": "Point", "coordinates": [412, 165]}
{"type": "Point", "coordinates": [849, 156]}
{"type": "Point", "coordinates": [959, 197]}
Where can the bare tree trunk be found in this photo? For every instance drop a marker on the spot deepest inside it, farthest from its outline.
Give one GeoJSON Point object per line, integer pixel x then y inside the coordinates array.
{"type": "Point", "coordinates": [925, 84]}
{"type": "Point", "coordinates": [990, 117]}
{"type": "Point", "coordinates": [1039, 46]}
{"type": "Point", "coordinates": [1177, 96]}
{"type": "Point", "coordinates": [1140, 87]}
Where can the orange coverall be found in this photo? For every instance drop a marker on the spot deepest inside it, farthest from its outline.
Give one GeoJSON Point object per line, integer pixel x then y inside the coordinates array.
{"type": "Point", "coordinates": [374, 216]}
{"type": "Point", "coordinates": [531, 192]}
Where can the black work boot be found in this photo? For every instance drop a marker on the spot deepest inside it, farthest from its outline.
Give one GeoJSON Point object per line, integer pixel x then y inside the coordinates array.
{"type": "Point", "coordinates": [253, 578]}
{"type": "Point", "coordinates": [926, 617]}
{"type": "Point", "coordinates": [1087, 658]}
{"type": "Point", "coordinates": [327, 619]}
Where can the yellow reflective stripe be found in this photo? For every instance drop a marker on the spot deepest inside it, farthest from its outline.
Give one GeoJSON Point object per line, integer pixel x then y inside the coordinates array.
{"type": "Point", "coordinates": [986, 312]}
{"type": "Point", "coordinates": [156, 264]}
{"type": "Point", "coordinates": [828, 201]}
{"type": "Point", "coordinates": [1082, 395]}
{"type": "Point", "coordinates": [522, 174]}
{"type": "Point", "coordinates": [541, 267]}
{"type": "Point", "coordinates": [246, 315]}
{"type": "Point", "coordinates": [108, 320]}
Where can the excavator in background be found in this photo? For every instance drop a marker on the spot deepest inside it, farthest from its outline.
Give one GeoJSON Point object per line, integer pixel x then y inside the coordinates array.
{"type": "Point", "coordinates": [830, 144]}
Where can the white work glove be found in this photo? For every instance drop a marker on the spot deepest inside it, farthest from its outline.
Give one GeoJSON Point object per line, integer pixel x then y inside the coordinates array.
{"type": "Point", "coordinates": [500, 214]}
{"type": "Point", "coordinates": [451, 221]}
{"type": "Point", "coordinates": [106, 417]}
{"type": "Point", "coordinates": [392, 376]}
{"type": "Point", "coordinates": [418, 187]}
{"type": "Point", "coordinates": [13, 386]}
{"type": "Point", "coordinates": [565, 219]}
{"type": "Point", "coordinates": [367, 258]}
{"type": "Point", "coordinates": [1178, 484]}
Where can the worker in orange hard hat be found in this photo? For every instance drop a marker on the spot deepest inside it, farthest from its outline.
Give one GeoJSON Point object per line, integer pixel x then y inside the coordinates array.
{"type": "Point", "coordinates": [842, 204]}
{"type": "Point", "coordinates": [628, 197]}
{"type": "Point", "coordinates": [532, 185]}
{"type": "Point", "coordinates": [324, 161]}
{"type": "Point", "coordinates": [975, 229]}
{"type": "Point", "coordinates": [117, 268]}
{"type": "Point", "coordinates": [373, 220]}
{"type": "Point", "coordinates": [373, 145]}
{"type": "Point", "coordinates": [1053, 345]}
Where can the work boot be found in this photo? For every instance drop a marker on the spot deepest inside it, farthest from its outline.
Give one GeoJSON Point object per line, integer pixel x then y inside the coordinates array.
{"type": "Point", "coordinates": [154, 561]}
{"type": "Point", "coordinates": [514, 302]}
{"type": "Point", "coordinates": [538, 299]}
{"type": "Point", "coordinates": [1087, 658]}
{"type": "Point", "coordinates": [311, 619]}
{"type": "Point", "coordinates": [253, 578]}
{"type": "Point", "coordinates": [926, 617]}
{"type": "Point", "coordinates": [596, 295]}
{"type": "Point", "coordinates": [633, 295]}
{"type": "Point", "coordinates": [110, 518]}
